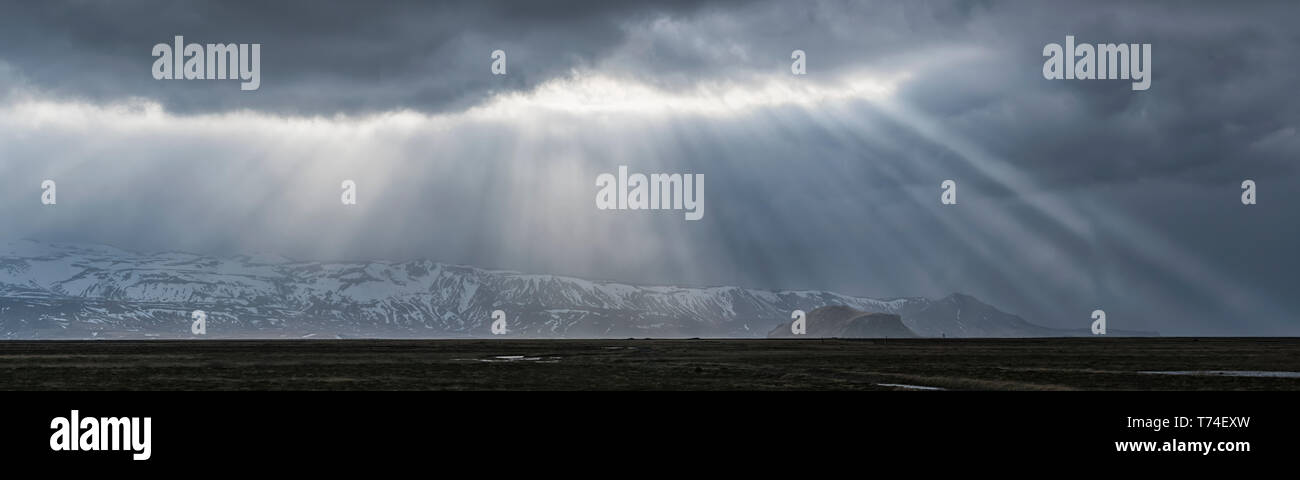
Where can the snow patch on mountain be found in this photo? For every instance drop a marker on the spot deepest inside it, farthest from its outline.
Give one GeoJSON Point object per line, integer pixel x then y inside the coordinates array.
{"type": "Point", "coordinates": [70, 290]}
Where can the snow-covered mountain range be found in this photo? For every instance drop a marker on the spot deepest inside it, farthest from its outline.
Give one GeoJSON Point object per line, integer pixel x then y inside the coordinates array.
{"type": "Point", "coordinates": [94, 291]}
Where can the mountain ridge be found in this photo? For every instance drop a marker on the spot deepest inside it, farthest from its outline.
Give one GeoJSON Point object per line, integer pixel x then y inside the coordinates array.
{"type": "Point", "coordinates": [50, 290]}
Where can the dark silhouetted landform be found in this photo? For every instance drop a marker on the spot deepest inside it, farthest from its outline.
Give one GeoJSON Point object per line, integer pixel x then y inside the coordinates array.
{"type": "Point", "coordinates": [847, 322]}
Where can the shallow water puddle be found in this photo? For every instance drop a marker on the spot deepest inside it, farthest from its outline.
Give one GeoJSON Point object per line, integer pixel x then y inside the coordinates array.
{"type": "Point", "coordinates": [1228, 373]}
{"type": "Point", "coordinates": [510, 358]}
{"type": "Point", "coordinates": [909, 387]}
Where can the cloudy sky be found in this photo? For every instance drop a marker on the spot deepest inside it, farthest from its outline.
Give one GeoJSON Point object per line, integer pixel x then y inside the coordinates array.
{"type": "Point", "coordinates": [1072, 195]}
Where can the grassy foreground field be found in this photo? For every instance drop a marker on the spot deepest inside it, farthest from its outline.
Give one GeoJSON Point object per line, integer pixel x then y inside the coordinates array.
{"type": "Point", "coordinates": [805, 364]}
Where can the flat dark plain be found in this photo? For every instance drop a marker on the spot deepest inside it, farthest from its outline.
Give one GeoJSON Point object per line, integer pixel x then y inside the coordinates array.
{"type": "Point", "coordinates": [646, 364]}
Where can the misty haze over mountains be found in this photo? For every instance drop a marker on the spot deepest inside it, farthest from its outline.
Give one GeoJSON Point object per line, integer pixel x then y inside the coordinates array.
{"type": "Point", "coordinates": [52, 291]}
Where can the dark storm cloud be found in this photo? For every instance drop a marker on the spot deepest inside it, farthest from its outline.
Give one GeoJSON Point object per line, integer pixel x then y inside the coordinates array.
{"type": "Point", "coordinates": [1075, 195]}
{"type": "Point", "coordinates": [1219, 68]}
{"type": "Point", "coordinates": [1221, 73]}
{"type": "Point", "coordinates": [317, 57]}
